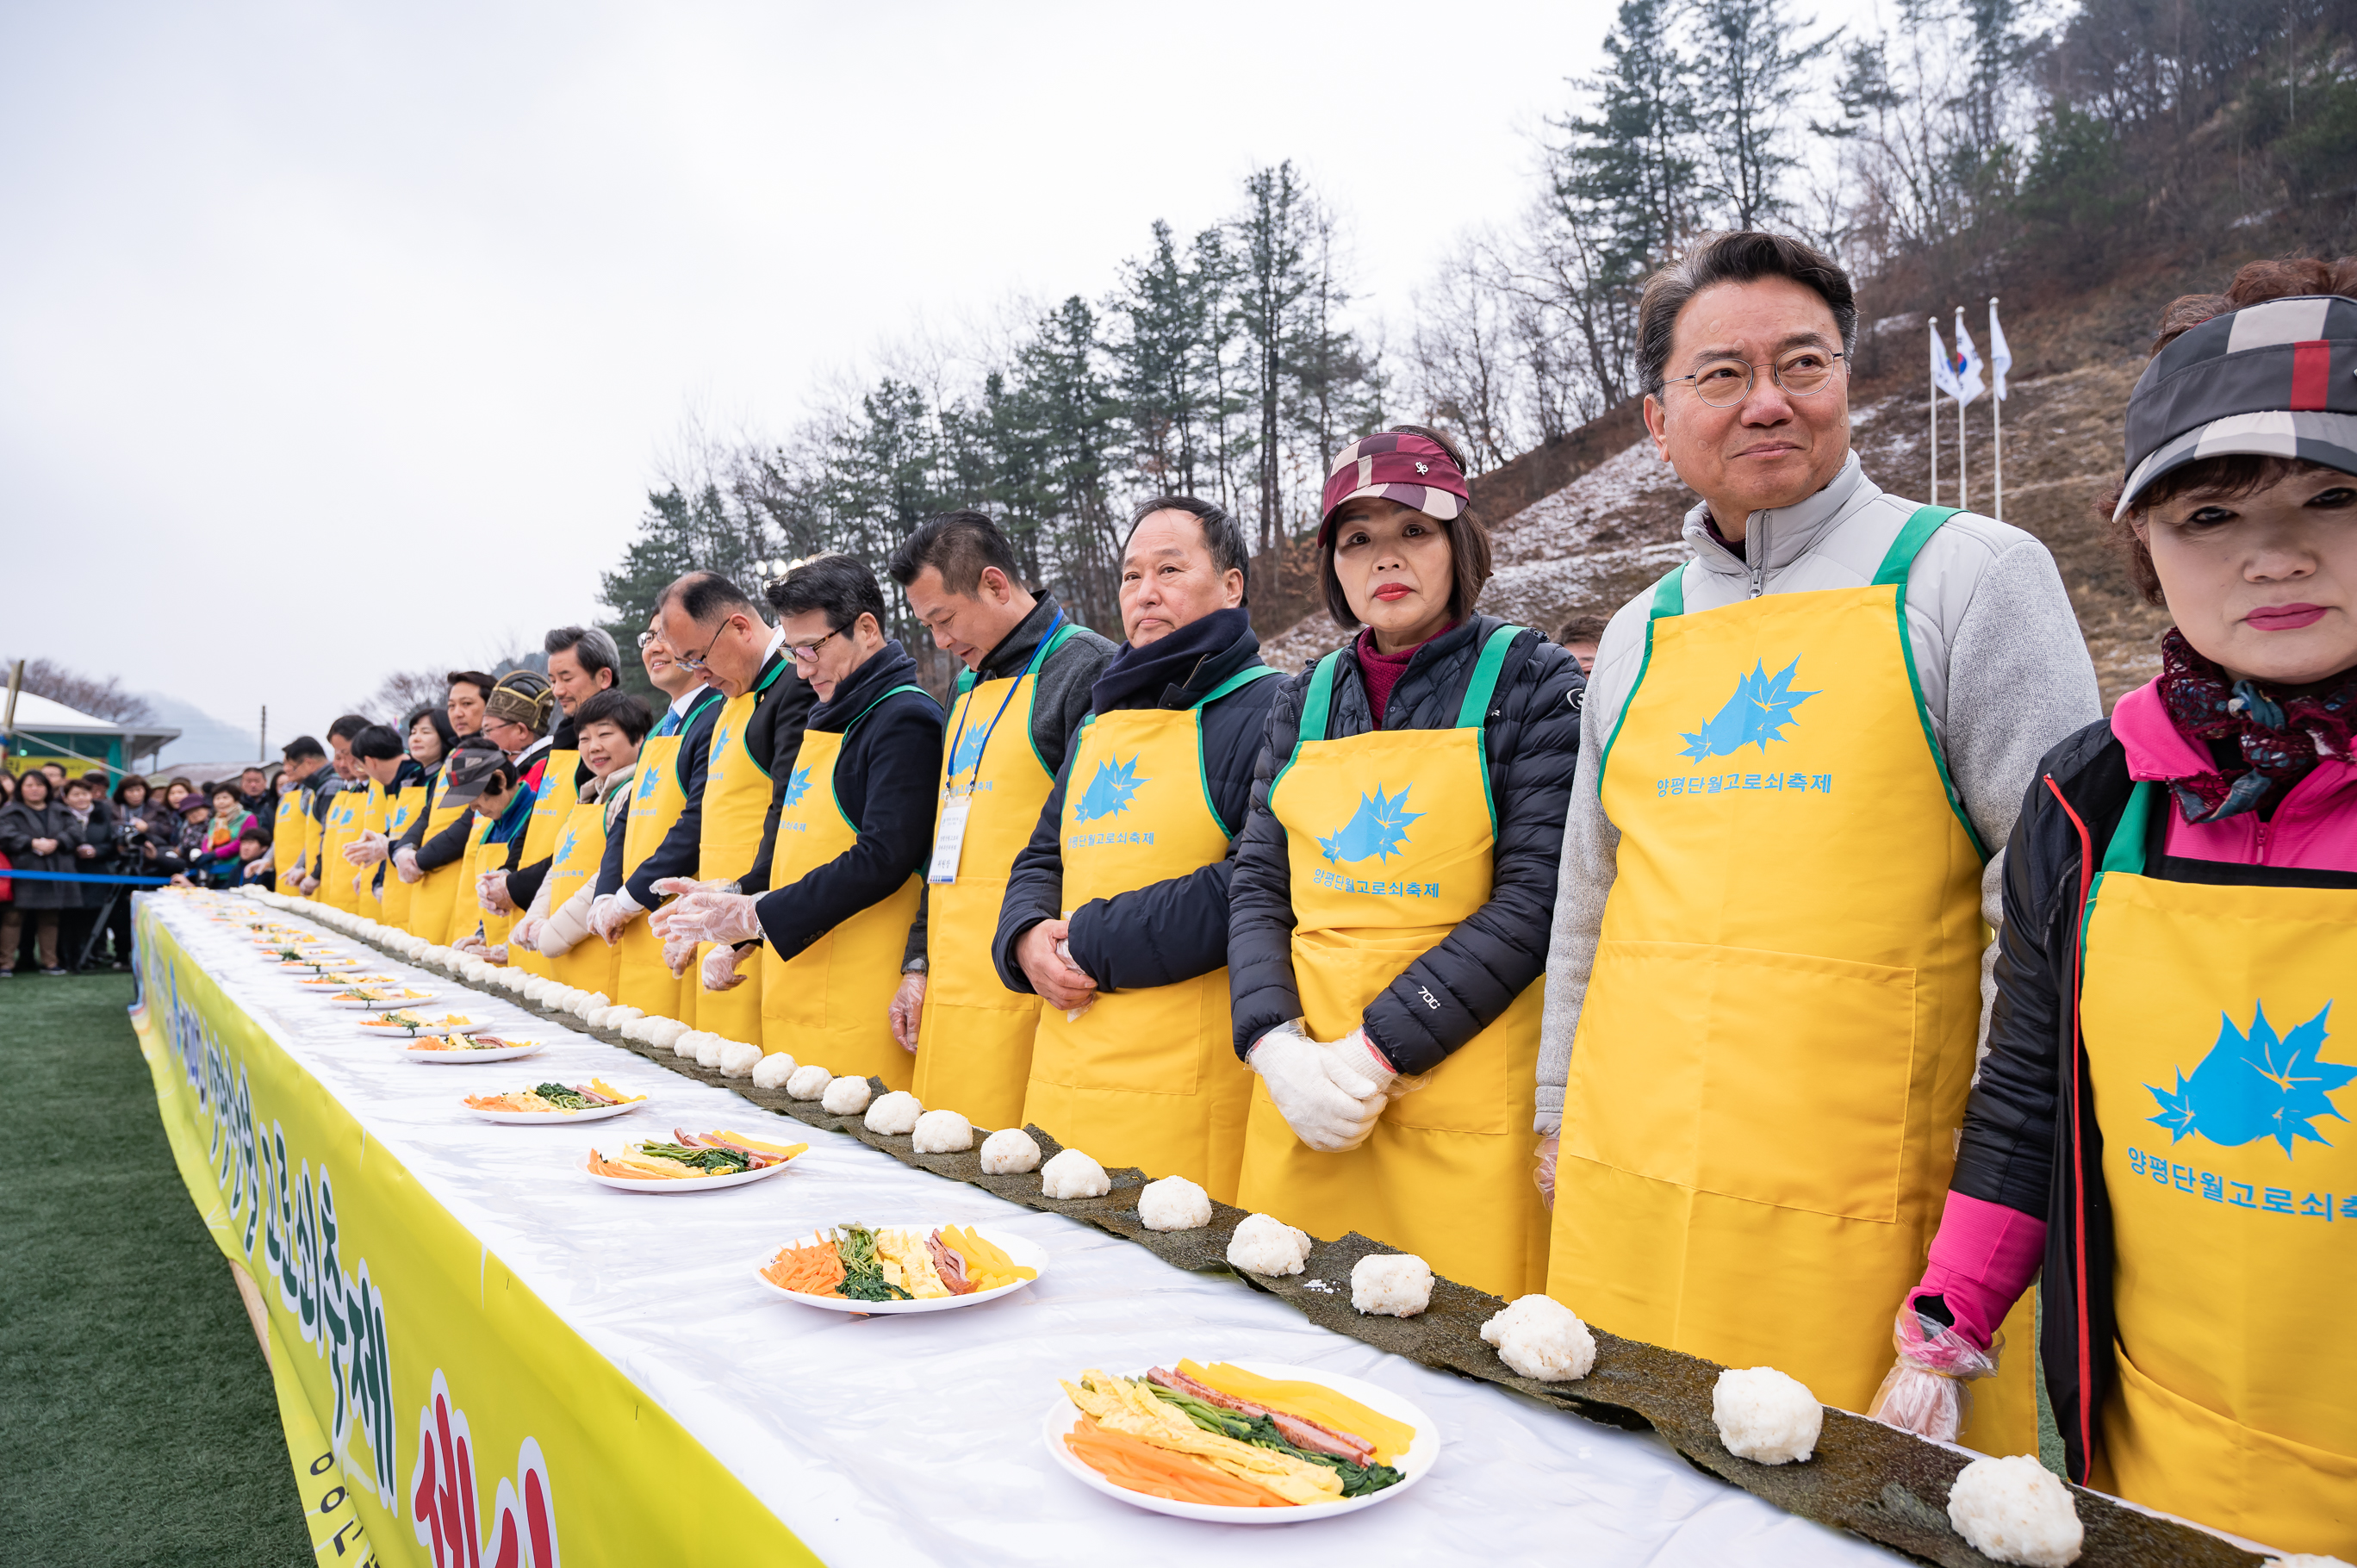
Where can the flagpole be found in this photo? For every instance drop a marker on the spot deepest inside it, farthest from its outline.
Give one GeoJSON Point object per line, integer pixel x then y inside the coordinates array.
{"type": "Point", "coordinates": [1996, 426]}
{"type": "Point", "coordinates": [1935, 431]}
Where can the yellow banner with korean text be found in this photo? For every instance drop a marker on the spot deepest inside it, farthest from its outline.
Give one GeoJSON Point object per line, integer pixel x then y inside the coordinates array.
{"type": "Point", "coordinates": [438, 1412]}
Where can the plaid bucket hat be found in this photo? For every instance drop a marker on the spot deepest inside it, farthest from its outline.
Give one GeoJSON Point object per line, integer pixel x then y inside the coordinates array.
{"type": "Point", "coordinates": [1397, 466]}
{"type": "Point", "coordinates": [2276, 380]}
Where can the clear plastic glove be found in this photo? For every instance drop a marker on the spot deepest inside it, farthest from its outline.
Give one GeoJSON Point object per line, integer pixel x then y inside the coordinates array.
{"type": "Point", "coordinates": [908, 1009]}
{"type": "Point", "coordinates": [492, 893]}
{"type": "Point", "coordinates": [609, 912]}
{"type": "Point", "coordinates": [310, 886]}
{"type": "Point", "coordinates": [1925, 1393]}
{"type": "Point", "coordinates": [720, 967]}
{"type": "Point", "coordinates": [526, 933]}
{"type": "Point", "coordinates": [1543, 1171]}
{"type": "Point", "coordinates": [703, 915]}
{"type": "Point", "coordinates": [1308, 1093]}
{"type": "Point", "coordinates": [405, 864]}
{"type": "Point", "coordinates": [366, 850]}
{"type": "Point", "coordinates": [1045, 956]}
{"type": "Point", "coordinates": [678, 953]}
{"type": "Point", "coordinates": [495, 955]}
{"type": "Point", "coordinates": [471, 944]}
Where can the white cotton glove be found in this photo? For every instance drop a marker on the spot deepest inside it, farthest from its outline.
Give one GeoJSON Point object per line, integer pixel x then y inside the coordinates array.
{"type": "Point", "coordinates": [703, 915]}
{"type": "Point", "coordinates": [366, 850]}
{"type": "Point", "coordinates": [405, 864]}
{"type": "Point", "coordinates": [492, 893]}
{"type": "Point", "coordinates": [609, 912]}
{"type": "Point", "coordinates": [720, 967]}
{"type": "Point", "coordinates": [1309, 1093]}
{"type": "Point", "coordinates": [1357, 1069]}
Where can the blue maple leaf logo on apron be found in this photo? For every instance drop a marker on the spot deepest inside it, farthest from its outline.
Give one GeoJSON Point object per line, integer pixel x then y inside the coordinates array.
{"type": "Point", "coordinates": [647, 785]}
{"type": "Point", "coordinates": [1377, 830]}
{"type": "Point", "coordinates": [967, 754]}
{"type": "Point", "coordinates": [2257, 1085]}
{"type": "Point", "coordinates": [564, 848]}
{"type": "Point", "coordinates": [1110, 792]}
{"type": "Point", "coordinates": [797, 787]}
{"type": "Point", "coordinates": [1763, 705]}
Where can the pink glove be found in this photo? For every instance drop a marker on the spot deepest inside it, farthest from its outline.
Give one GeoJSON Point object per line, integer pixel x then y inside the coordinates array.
{"type": "Point", "coordinates": [720, 967]}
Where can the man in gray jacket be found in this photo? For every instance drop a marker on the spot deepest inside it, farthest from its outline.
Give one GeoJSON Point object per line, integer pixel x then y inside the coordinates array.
{"type": "Point", "coordinates": [1801, 752]}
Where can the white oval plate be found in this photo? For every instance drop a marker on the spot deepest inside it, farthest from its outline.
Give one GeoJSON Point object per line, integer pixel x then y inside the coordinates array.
{"type": "Point", "coordinates": [1413, 1465]}
{"type": "Point", "coordinates": [398, 1037]}
{"type": "Point", "coordinates": [325, 966]}
{"type": "Point", "coordinates": [685, 1183]}
{"type": "Point", "coordinates": [1025, 1253]}
{"type": "Point", "coordinates": [543, 1118]}
{"type": "Point", "coordinates": [388, 1003]}
{"type": "Point", "coordinates": [329, 984]}
{"type": "Point", "coordinates": [466, 1058]}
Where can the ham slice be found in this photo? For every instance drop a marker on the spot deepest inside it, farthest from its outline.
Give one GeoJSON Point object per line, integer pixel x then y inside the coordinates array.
{"type": "Point", "coordinates": [1300, 1431]}
{"type": "Point", "coordinates": [949, 1265]}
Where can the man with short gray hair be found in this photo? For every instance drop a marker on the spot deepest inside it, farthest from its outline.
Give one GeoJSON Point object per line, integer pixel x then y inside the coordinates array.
{"type": "Point", "coordinates": [582, 662]}
{"type": "Point", "coordinates": [1803, 751]}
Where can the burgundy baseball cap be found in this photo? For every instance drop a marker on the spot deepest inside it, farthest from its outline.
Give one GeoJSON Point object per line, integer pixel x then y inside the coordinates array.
{"type": "Point", "coordinates": [1398, 466]}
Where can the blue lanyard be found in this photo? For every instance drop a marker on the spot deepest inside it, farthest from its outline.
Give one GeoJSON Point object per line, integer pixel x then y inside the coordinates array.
{"type": "Point", "coordinates": [1038, 654]}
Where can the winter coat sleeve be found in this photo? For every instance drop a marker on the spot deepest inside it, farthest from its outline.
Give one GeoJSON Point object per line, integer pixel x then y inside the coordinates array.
{"type": "Point", "coordinates": [609, 864]}
{"type": "Point", "coordinates": [1261, 991]}
{"type": "Point", "coordinates": [448, 847]}
{"type": "Point", "coordinates": [900, 747]}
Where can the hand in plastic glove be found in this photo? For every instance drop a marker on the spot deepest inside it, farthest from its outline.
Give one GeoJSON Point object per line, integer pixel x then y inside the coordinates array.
{"type": "Point", "coordinates": [1042, 954]}
{"type": "Point", "coordinates": [609, 912]}
{"type": "Point", "coordinates": [366, 850]}
{"type": "Point", "coordinates": [678, 953]}
{"type": "Point", "coordinates": [497, 955]}
{"type": "Point", "coordinates": [526, 933]}
{"type": "Point", "coordinates": [310, 886]}
{"type": "Point", "coordinates": [703, 915]}
{"type": "Point", "coordinates": [1543, 1171]}
{"type": "Point", "coordinates": [1320, 1112]}
{"type": "Point", "coordinates": [908, 1009]}
{"type": "Point", "coordinates": [405, 864]}
{"type": "Point", "coordinates": [470, 944]}
{"type": "Point", "coordinates": [720, 966]}
{"type": "Point", "coordinates": [1924, 1393]}
{"type": "Point", "coordinates": [492, 893]}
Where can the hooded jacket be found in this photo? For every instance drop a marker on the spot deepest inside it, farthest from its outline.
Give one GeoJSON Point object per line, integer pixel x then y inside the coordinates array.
{"type": "Point", "coordinates": [1999, 657]}
{"type": "Point", "coordinates": [1463, 983]}
{"type": "Point", "coordinates": [1170, 930]}
{"type": "Point", "coordinates": [20, 823]}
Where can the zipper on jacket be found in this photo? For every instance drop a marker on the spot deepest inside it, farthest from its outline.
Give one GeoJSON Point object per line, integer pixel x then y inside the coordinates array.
{"type": "Point", "coordinates": [1757, 532]}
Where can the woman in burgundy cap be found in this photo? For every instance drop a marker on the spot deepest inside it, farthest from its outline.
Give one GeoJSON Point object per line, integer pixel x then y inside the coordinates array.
{"type": "Point", "coordinates": [1394, 885]}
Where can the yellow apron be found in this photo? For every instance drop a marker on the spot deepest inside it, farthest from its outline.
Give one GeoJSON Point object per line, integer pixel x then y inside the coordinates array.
{"type": "Point", "coordinates": [314, 835]}
{"type": "Point", "coordinates": [287, 839]}
{"type": "Point", "coordinates": [467, 915]}
{"type": "Point", "coordinates": [830, 1003]}
{"type": "Point", "coordinates": [2223, 1092]}
{"type": "Point", "coordinates": [335, 873]}
{"type": "Point", "coordinates": [973, 1042]}
{"type": "Point", "coordinates": [656, 802]}
{"type": "Point", "coordinates": [736, 803]}
{"type": "Point", "coordinates": [434, 898]}
{"type": "Point", "coordinates": [589, 964]}
{"type": "Point", "coordinates": [1144, 1078]}
{"type": "Point", "coordinates": [1391, 836]}
{"type": "Point", "coordinates": [1772, 1055]}
{"type": "Point", "coordinates": [550, 809]}
{"type": "Point", "coordinates": [393, 897]}
{"type": "Point", "coordinates": [374, 813]}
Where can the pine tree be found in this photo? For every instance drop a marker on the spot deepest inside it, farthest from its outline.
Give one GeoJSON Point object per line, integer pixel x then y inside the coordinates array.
{"type": "Point", "coordinates": [1161, 363]}
{"type": "Point", "coordinates": [1270, 281]}
{"type": "Point", "coordinates": [1745, 100]}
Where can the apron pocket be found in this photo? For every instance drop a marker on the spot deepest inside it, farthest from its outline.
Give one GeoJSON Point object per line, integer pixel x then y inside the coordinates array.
{"type": "Point", "coordinates": [1773, 1078]}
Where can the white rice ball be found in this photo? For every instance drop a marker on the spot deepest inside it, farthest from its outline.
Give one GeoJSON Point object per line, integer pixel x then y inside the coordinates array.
{"type": "Point", "coordinates": [1073, 1175]}
{"type": "Point", "coordinates": [595, 1017]}
{"type": "Point", "coordinates": [617, 1016]}
{"type": "Point", "coordinates": [2016, 1510]}
{"type": "Point", "coordinates": [474, 969]}
{"type": "Point", "coordinates": [708, 1047]}
{"type": "Point", "coordinates": [1766, 1416]}
{"type": "Point", "coordinates": [846, 1096]}
{"type": "Point", "coordinates": [1174, 1203]}
{"type": "Point", "coordinates": [942, 1132]}
{"type": "Point", "coordinates": [636, 1030]}
{"type": "Point", "coordinates": [1264, 1244]}
{"type": "Point", "coordinates": [1391, 1284]}
{"type": "Point", "coordinates": [2305, 1560]}
{"type": "Point", "coordinates": [536, 987]}
{"type": "Point", "coordinates": [1538, 1336]}
{"type": "Point", "coordinates": [896, 1112]}
{"type": "Point", "coordinates": [591, 1003]}
{"type": "Point", "coordinates": [772, 1070]}
{"type": "Point", "coordinates": [1010, 1151]}
{"type": "Point", "coordinates": [737, 1057]}
{"type": "Point", "coordinates": [684, 1044]}
{"type": "Point", "coordinates": [663, 1033]}
{"type": "Point", "coordinates": [808, 1081]}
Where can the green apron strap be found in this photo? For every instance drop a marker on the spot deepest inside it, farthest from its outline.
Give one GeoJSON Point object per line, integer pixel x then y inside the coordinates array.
{"type": "Point", "coordinates": [679, 757]}
{"type": "Point", "coordinates": [1912, 537]}
{"type": "Point", "coordinates": [1669, 595]}
{"type": "Point", "coordinates": [783, 662]}
{"type": "Point", "coordinates": [2125, 852]}
{"type": "Point", "coordinates": [1475, 710]}
{"type": "Point", "coordinates": [1063, 635]}
{"type": "Point", "coordinates": [1236, 683]}
{"type": "Point", "coordinates": [1319, 700]}
{"type": "Point", "coordinates": [874, 705]}
{"type": "Point", "coordinates": [965, 683]}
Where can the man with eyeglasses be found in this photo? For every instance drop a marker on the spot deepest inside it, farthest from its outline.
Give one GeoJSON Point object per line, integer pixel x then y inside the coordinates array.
{"type": "Point", "coordinates": [1801, 752]}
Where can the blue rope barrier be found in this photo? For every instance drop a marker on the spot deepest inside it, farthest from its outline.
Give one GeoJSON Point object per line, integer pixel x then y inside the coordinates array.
{"type": "Point", "coordinates": [8, 872]}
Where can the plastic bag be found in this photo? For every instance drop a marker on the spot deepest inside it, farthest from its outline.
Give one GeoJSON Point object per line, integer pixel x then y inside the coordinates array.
{"type": "Point", "coordinates": [1924, 1391]}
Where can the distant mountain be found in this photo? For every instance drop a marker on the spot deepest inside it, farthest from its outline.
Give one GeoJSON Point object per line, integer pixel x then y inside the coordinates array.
{"type": "Point", "coordinates": [203, 738]}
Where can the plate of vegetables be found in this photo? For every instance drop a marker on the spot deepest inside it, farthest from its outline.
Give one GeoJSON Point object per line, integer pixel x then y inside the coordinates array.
{"type": "Point", "coordinates": [339, 982]}
{"type": "Point", "coordinates": [897, 1269]}
{"type": "Point", "coordinates": [459, 1048]}
{"type": "Point", "coordinates": [376, 998]}
{"type": "Point", "coordinates": [403, 1024]}
{"type": "Point", "coordinates": [1241, 1441]}
{"type": "Point", "coordinates": [689, 1162]}
{"type": "Point", "coordinates": [591, 1101]}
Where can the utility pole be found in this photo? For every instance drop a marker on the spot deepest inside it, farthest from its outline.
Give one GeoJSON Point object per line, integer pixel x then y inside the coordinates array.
{"type": "Point", "coordinates": [264, 749]}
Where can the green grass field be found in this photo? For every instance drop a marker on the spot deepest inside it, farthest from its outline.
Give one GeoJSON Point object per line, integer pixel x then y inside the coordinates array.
{"type": "Point", "coordinates": [136, 1419]}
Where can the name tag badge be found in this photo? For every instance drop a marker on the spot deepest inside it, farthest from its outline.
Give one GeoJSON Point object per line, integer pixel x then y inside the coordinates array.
{"type": "Point", "coordinates": [949, 838]}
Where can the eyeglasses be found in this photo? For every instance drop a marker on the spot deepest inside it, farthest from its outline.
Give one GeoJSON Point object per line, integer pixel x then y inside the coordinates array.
{"type": "Point", "coordinates": [807, 653]}
{"type": "Point", "coordinates": [1723, 384]}
{"type": "Point", "coordinates": [696, 662]}
{"type": "Point", "coordinates": [645, 637]}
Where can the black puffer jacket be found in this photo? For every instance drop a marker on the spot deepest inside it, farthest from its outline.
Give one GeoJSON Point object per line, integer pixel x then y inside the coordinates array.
{"type": "Point", "coordinates": [1532, 741]}
{"type": "Point", "coordinates": [20, 823]}
{"type": "Point", "coordinates": [1170, 930]}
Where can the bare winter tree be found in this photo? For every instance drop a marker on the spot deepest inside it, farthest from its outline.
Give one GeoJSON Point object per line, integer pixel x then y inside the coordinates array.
{"type": "Point", "coordinates": [85, 693]}
{"type": "Point", "coordinates": [403, 691]}
{"type": "Point", "coordinates": [1469, 359]}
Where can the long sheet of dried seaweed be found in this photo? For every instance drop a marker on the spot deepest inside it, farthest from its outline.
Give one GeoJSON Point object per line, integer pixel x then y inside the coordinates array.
{"type": "Point", "coordinates": [1865, 1477]}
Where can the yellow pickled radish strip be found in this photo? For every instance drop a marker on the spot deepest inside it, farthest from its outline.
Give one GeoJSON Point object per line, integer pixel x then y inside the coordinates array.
{"type": "Point", "coordinates": [987, 1266]}
{"type": "Point", "coordinates": [1314, 1400]}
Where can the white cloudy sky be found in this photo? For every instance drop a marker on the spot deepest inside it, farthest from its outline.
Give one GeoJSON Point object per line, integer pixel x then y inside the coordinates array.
{"type": "Point", "coordinates": [339, 338]}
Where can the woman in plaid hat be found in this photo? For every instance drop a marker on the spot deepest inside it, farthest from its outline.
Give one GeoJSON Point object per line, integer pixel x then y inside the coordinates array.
{"type": "Point", "coordinates": [1395, 885]}
{"type": "Point", "coordinates": [2163, 1120]}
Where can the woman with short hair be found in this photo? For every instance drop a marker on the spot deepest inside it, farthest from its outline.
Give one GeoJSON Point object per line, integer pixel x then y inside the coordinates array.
{"type": "Point", "coordinates": [38, 834]}
{"type": "Point", "coordinates": [1394, 888]}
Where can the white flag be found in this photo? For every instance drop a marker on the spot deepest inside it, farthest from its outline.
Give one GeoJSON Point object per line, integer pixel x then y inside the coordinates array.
{"type": "Point", "coordinates": [1944, 369]}
{"type": "Point", "coordinates": [2000, 358]}
{"type": "Point", "coordinates": [1969, 384]}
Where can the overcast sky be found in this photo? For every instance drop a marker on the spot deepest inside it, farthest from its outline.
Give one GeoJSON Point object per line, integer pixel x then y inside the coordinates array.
{"type": "Point", "coordinates": [337, 338]}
